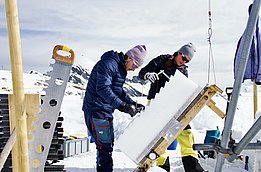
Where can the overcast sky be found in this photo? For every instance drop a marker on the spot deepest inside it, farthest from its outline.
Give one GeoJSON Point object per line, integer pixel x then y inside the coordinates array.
{"type": "Point", "coordinates": [92, 27]}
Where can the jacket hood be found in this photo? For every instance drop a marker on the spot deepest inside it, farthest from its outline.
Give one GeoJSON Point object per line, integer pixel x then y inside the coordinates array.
{"type": "Point", "coordinates": [118, 57]}
{"type": "Point", "coordinates": [112, 54]}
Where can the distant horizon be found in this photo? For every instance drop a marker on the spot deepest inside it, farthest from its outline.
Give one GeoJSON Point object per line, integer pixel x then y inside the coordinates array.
{"type": "Point", "coordinates": [194, 77]}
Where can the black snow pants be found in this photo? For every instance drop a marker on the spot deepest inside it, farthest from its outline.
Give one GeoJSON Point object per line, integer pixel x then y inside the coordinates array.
{"type": "Point", "coordinates": [191, 164]}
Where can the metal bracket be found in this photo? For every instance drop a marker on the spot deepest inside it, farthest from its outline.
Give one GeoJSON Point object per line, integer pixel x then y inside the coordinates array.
{"type": "Point", "coordinates": [216, 147]}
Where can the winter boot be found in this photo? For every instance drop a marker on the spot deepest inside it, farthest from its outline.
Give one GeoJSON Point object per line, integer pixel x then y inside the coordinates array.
{"type": "Point", "coordinates": [166, 165]}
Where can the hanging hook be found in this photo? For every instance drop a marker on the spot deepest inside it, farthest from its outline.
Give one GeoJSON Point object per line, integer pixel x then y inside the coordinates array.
{"type": "Point", "coordinates": [210, 46]}
{"type": "Point", "coordinates": [209, 23]}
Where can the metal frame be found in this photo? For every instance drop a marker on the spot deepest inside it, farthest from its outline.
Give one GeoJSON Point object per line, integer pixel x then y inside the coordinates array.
{"type": "Point", "coordinates": [237, 83]}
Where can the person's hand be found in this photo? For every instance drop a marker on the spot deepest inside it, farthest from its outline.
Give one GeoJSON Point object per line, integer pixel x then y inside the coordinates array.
{"type": "Point", "coordinates": [140, 107]}
{"type": "Point", "coordinates": [128, 108]}
{"type": "Point", "coordinates": [151, 76]}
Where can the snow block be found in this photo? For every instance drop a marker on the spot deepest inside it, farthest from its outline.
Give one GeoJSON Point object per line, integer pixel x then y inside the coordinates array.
{"type": "Point", "coordinates": [148, 127]}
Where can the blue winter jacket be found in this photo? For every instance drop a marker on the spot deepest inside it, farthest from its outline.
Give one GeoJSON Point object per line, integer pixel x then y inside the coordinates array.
{"type": "Point", "coordinates": [104, 92]}
{"type": "Point", "coordinates": [253, 67]}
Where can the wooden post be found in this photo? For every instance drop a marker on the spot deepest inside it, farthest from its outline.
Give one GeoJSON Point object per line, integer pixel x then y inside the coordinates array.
{"type": "Point", "coordinates": [12, 122]}
{"type": "Point", "coordinates": [212, 105]}
{"type": "Point", "coordinates": [255, 97]}
{"type": "Point", "coordinates": [32, 102]}
{"type": "Point", "coordinates": [32, 105]}
{"type": "Point", "coordinates": [18, 85]}
{"type": "Point", "coordinates": [8, 147]}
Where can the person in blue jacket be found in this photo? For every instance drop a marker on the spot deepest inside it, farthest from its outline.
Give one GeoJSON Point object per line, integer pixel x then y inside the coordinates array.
{"type": "Point", "coordinates": [104, 94]}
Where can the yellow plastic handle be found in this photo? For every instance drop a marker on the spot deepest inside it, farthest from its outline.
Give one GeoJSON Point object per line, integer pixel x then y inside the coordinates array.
{"type": "Point", "coordinates": [65, 59]}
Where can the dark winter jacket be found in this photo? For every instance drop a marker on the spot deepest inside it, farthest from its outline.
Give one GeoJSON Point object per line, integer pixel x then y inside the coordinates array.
{"type": "Point", "coordinates": [157, 64]}
{"type": "Point", "coordinates": [104, 92]}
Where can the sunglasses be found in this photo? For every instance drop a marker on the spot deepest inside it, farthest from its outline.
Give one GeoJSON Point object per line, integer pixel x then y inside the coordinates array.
{"type": "Point", "coordinates": [184, 58]}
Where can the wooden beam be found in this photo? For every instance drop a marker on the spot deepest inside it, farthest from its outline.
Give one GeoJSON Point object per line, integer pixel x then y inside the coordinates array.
{"type": "Point", "coordinates": [188, 114]}
{"type": "Point", "coordinates": [32, 105]}
{"type": "Point", "coordinates": [8, 147]}
{"type": "Point", "coordinates": [18, 84]}
{"type": "Point", "coordinates": [212, 105]}
{"type": "Point", "coordinates": [12, 122]}
{"type": "Point", "coordinates": [32, 102]}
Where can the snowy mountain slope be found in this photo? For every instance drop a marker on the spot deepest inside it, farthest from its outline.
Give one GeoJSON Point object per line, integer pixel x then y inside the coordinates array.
{"type": "Point", "coordinates": [33, 82]}
{"type": "Point", "coordinates": [79, 76]}
{"type": "Point", "coordinates": [78, 79]}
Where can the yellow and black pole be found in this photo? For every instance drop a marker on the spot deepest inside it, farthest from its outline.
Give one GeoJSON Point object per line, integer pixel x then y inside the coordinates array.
{"type": "Point", "coordinates": [18, 86]}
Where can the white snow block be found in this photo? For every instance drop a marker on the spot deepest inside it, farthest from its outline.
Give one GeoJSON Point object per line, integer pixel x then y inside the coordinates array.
{"type": "Point", "coordinates": [140, 135]}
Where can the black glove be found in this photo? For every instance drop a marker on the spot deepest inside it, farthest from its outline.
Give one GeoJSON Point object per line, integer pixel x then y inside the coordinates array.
{"type": "Point", "coordinates": [140, 107]}
{"type": "Point", "coordinates": [128, 108]}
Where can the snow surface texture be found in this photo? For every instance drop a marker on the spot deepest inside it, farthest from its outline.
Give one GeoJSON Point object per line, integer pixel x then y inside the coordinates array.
{"type": "Point", "coordinates": [205, 120]}
{"type": "Point", "coordinates": [152, 121]}
{"type": "Point", "coordinates": [163, 26]}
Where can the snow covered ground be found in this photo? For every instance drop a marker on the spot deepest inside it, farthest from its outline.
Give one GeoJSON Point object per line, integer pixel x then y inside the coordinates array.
{"type": "Point", "coordinates": [205, 120]}
{"type": "Point", "coordinates": [163, 26]}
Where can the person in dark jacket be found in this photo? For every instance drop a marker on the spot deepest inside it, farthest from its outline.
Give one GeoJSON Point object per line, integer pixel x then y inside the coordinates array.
{"type": "Point", "coordinates": [158, 71]}
{"type": "Point", "coordinates": [104, 94]}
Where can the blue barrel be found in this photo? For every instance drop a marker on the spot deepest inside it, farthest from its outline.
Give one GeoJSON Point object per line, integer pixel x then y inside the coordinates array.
{"type": "Point", "coordinates": [173, 145]}
{"type": "Point", "coordinates": [212, 136]}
